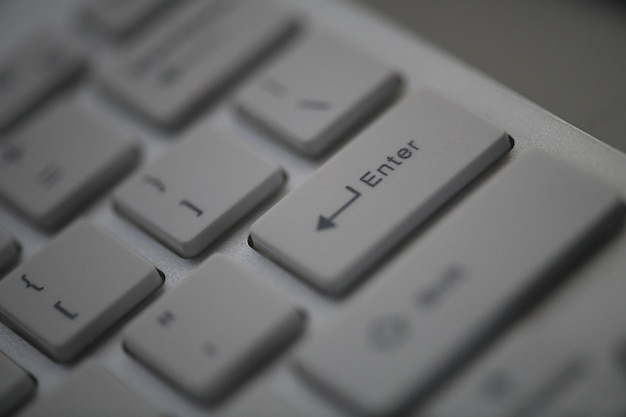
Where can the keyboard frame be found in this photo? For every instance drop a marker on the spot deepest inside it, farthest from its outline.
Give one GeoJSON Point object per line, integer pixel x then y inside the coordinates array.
{"type": "Point", "coordinates": [422, 65]}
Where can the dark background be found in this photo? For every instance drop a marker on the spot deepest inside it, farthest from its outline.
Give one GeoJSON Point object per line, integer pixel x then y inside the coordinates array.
{"type": "Point", "coordinates": [569, 56]}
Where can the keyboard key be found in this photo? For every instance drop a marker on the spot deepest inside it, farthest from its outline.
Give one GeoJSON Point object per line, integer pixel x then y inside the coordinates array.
{"type": "Point", "coordinates": [121, 18]}
{"type": "Point", "coordinates": [374, 192]}
{"type": "Point", "coordinates": [16, 386]}
{"type": "Point", "coordinates": [37, 68]}
{"type": "Point", "coordinates": [9, 250]}
{"type": "Point", "coordinates": [194, 56]}
{"type": "Point", "coordinates": [318, 93]}
{"type": "Point", "coordinates": [544, 365]}
{"type": "Point", "coordinates": [207, 333]}
{"type": "Point", "coordinates": [198, 190]}
{"type": "Point", "coordinates": [91, 391]}
{"type": "Point", "coordinates": [260, 403]}
{"type": "Point", "coordinates": [68, 294]}
{"type": "Point", "coordinates": [442, 299]}
{"type": "Point", "coordinates": [67, 156]}
{"type": "Point", "coordinates": [600, 393]}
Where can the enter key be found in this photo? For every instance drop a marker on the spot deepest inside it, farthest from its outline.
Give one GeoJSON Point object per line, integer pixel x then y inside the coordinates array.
{"type": "Point", "coordinates": [378, 189]}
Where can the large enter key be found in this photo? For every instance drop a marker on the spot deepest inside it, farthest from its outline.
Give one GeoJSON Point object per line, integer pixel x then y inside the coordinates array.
{"type": "Point", "coordinates": [377, 190]}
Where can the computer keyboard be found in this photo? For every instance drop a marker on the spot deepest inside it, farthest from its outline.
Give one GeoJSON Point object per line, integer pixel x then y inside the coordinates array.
{"type": "Point", "coordinates": [268, 208]}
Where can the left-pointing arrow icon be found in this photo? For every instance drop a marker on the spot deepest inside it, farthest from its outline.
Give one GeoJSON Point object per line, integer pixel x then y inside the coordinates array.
{"type": "Point", "coordinates": [324, 222]}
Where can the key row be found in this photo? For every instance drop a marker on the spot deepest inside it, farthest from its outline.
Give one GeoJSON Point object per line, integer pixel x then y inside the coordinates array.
{"type": "Point", "coordinates": [206, 336]}
{"type": "Point", "coordinates": [321, 90]}
{"type": "Point", "coordinates": [50, 302]}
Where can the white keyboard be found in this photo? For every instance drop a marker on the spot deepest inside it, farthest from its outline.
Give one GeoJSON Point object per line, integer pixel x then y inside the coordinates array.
{"type": "Point", "coordinates": [278, 208]}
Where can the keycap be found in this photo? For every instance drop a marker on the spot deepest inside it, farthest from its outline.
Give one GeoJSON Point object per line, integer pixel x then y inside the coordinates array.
{"type": "Point", "coordinates": [16, 386]}
{"type": "Point", "coordinates": [9, 250]}
{"type": "Point", "coordinates": [70, 292]}
{"type": "Point", "coordinates": [122, 18]}
{"type": "Point", "coordinates": [544, 365]}
{"type": "Point", "coordinates": [600, 393]}
{"type": "Point", "coordinates": [374, 192]}
{"type": "Point", "coordinates": [260, 402]}
{"type": "Point", "coordinates": [454, 288]}
{"type": "Point", "coordinates": [209, 331]}
{"type": "Point", "coordinates": [318, 93]}
{"type": "Point", "coordinates": [195, 56]}
{"type": "Point", "coordinates": [91, 391]}
{"type": "Point", "coordinates": [198, 190]}
{"type": "Point", "coordinates": [60, 161]}
{"type": "Point", "coordinates": [33, 71]}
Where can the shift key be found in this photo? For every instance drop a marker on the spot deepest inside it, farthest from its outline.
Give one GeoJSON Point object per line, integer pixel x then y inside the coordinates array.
{"type": "Point", "coordinates": [374, 192]}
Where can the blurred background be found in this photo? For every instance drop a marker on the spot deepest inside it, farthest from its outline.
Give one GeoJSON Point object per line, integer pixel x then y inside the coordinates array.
{"type": "Point", "coordinates": [569, 56]}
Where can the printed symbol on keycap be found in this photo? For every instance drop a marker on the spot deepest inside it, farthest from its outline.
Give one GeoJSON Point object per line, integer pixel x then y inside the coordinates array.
{"type": "Point", "coordinates": [327, 222]}
{"type": "Point", "coordinates": [318, 105]}
{"type": "Point", "coordinates": [190, 206]}
{"type": "Point", "coordinates": [169, 76]}
{"type": "Point", "coordinates": [166, 318]}
{"type": "Point", "coordinates": [50, 175]}
{"type": "Point", "coordinates": [13, 154]}
{"type": "Point", "coordinates": [155, 182]}
{"type": "Point", "coordinates": [29, 284]}
{"type": "Point", "coordinates": [210, 349]}
{"type": "Point", "coordinates": [273, 87]}
{"type": "Point", "coordinates": [65, 312]}
{"type": "Point", "coordinates": [497, 385]}
{"type": "Point", "coordinates": [388, 332]}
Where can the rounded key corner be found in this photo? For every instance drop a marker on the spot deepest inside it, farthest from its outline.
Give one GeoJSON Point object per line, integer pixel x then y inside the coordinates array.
{"type": "Point", "coordinates": [511, 141]}
{"type": "Point", "coordinates": [251, 241]}
{"type": "Point", "coordinates": [161, 274]}
{"type": "Point", "coordinates": [284, 177]}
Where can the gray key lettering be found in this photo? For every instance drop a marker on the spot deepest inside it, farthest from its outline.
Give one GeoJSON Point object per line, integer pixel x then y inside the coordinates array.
{"type": "Point", "coordinates": [324, 222]}
{"type": "Point", "coordinates": [389, 332]}
{"type": "Point", "coordinates": [50, 175]}
{"type": "Point", "coordinates": [29, 284]}
{"type": "Point", "coordinates": [155, 182]}
{"type": "Point", "coordinates": [65, 312]}
{"type": "Point", "coordinates": [190, 206]}
{"type": "Point", "coordinates": [318, 105]}
{"type": "Point", "coordinates": [166, 318]}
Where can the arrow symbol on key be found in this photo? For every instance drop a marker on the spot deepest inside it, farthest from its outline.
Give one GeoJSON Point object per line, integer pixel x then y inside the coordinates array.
{"type": "Point", "coordinates": [324, 222]}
